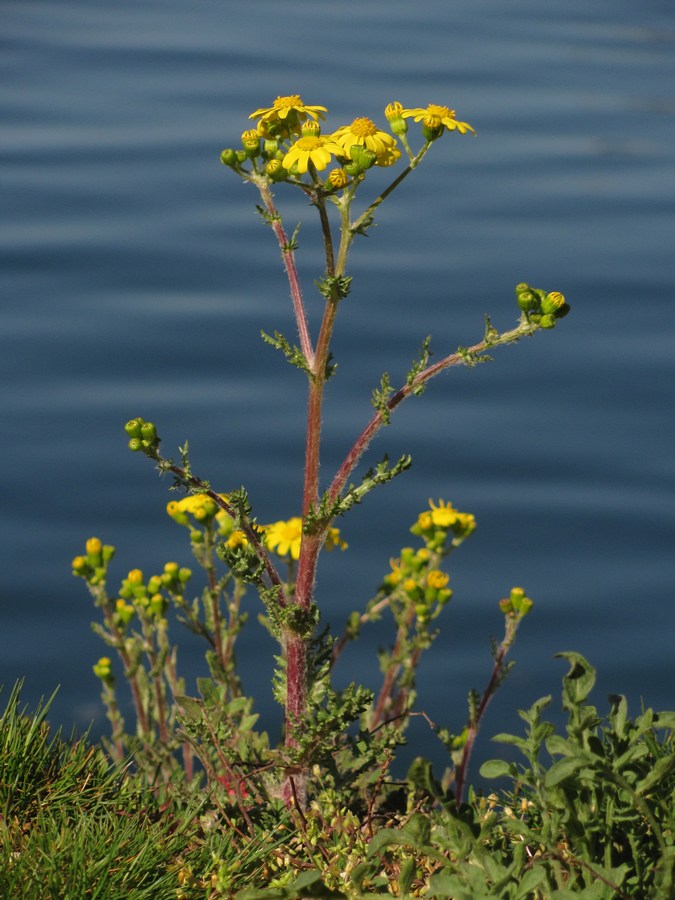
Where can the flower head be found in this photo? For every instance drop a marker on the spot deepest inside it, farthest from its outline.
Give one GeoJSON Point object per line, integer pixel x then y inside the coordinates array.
{"type": "Point", "coordinates": [285, 537]}
{"type": "Point", "coordinates": [316, 150]}
{"type": "Point", "coordinates": [286, 115]}
{"type": "Point", "coordinates": [363, 132]}
{"type": "Point", "coordinates": [435, 116]}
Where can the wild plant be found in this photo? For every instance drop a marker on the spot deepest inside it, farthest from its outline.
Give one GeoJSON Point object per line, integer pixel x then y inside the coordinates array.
{"type": "Point", "coordinates": [334, 743]}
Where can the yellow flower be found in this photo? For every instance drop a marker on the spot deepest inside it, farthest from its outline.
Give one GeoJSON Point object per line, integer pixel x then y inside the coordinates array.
{"type": "Point", "coordinates": [94, 546]}
{"type": "Point", "coordinates": [316, 150]}
{"type": "Point", "coordinates": [443, 515]}
{"type": "Point", "coordinates": [286, 115]}
{"type": "Point", "coordinates": [284, 537]}
{"type": "Point", "coordinates": [237, 539]}
{"type": "Point", "coordinates": [437, 579]}
{"type": "Point", "coordinates": [337, 179]}
{"type": "Point", "coordinates": [363, 132]}
{"type": "Point", "coordinates": [434, 116]}
{"type": "Point", "coordinates": [334, 540]}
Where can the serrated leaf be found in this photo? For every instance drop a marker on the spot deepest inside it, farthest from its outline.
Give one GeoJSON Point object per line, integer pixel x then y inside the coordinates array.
{"type": "Point", "coordinates": [192, 708]}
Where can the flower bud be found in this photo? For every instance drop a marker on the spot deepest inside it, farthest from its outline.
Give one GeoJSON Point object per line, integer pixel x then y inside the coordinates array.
{"type": "Point", "coordinates": [149, 432]}
{"type": "Point", "coordinates": [103, 669]}
{"type": "Point", "coordinates": [124, 611]}
{"type": "Point", "coordinates": [94, 546]}
{"type": "Point", "coordinates": [552, 302]}
{"type": "Point", "coordinates": [229, 158]}
{"type": "Point", "coordinates": [135, 444]}
{"type": "Point", "coordinates": [158, 604]}
{"type": "Point", "coordinates": [396, 121]}
{"type": "Point", "coordinates": [337, 179]}
{"type": "Point", "coordinates": [276, 171]}
{"type": "Point", "coordinates": [135, 577]}
{"type": "Point", "coordinates": [184, 574]}
{"type": "Point", "coordinates": [362, 157]}
{"type": "Point", "coordinates": [133, 427]}
{"type": "Point", "coordinates": [527, 300]}
{"type": "Point", "coordinates": [270, 148]}
{"type": "Point", "coordinates": [107, 552]}
{"type": "Point", "coordinates": [310, 128]}
{"type": "Point", "coordinates": [547, 321]}
{"type": "Point", "coordinates": [79, 565]}
{"type": "Point", "coordinates": [251, 142]}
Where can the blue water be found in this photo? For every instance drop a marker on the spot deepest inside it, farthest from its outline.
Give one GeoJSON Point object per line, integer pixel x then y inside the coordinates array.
{"type": "Point", "coordinates": [136, 277]}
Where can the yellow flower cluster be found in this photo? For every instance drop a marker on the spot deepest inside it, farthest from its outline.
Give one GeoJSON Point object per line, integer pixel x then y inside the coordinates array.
{"type": "Point", "coordinates": [285, 537]}
{"type": "Point", "coordinates": [356, 146]}
{"type": "Point", "coordinates": [200, 506]}
{"type": "Point", "coordinates": [434, 523]}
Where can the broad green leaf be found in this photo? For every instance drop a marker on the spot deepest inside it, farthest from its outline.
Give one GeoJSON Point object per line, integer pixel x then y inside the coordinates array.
{"type": "Point", "coordinates": [530, 880]}
{"type": "Point", "coordinates": [496, 768]}
{"type": "Point", "coordinates": [661, 770]}
{"type": "Point", "coordinates": [579, 681]}
{"type": "Point", "coordinates": [562, 770]}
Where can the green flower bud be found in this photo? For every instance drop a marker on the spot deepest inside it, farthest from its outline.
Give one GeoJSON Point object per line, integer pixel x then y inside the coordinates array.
{"type": "Point", "coordinates": [251, 142]}
{"type": "Point", "coordinates": [547, 321]}
{"type": "Point", "coordinates": [228, 157]}
{"type": "Point", "coordinates": [79, 565]}
{"type": "Point", "coordinates": [135, 444]}
{"type": "Point", "coordinates": [184, 575]}
{"type": "Point", "coordinates": [310, 128]}
{"type": "Point", "coordinates": [276, 171]}
{"type": "Point", "coordinates": [133, 428]}
{"type": "Point", "coordinates": [522, 286]}
{"type": "Point", "coordinates": [552, 302]}
{"type": "Point", "coordinates": [362, 157]}
{"type": "Point", "coordinates": [107, 552]}
{"type": "Point", "coordinates": [158, 605]}
{"type": "Point", "coordinates": [196, 537]}
{"type": "Point", "coordinates": [103, 669]}
{"type": "Point", "coordinates": [527, 300]}
{"type": "Point", "coordinates": [149, 432]}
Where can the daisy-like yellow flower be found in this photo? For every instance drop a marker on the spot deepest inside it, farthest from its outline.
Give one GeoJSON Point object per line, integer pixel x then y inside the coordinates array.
{"type": "Point", "coordinates": [363, 132]}
{"type": "Point", "coordinates": [311, 148]}
{"type": "Point", "coordinates": [434, 116]}
{"type": "Point", "coordinates": [284, 537]}
{"type": "Point", "coordinates": [290, 111]}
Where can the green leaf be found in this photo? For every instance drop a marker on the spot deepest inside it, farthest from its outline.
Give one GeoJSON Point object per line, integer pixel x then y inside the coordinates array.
{"type": "Point", "coordinates": [579, 681]}
{"type": "Point", "coordinates": [529, 882]}
{"type": "Point", "coordinates": [660, 771]}
{"type": "Point", "coordinates": [192, 708]}
{"type": "Point", "coordinates": [563, 769]}
{"type": "Point", "coordinates": [496, 768]}
{"type": "Point", "coordinates": [293, 354]}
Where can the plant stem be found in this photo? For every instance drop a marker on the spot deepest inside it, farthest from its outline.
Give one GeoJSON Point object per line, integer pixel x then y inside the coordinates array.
{"type": "Point", "coordinates": [378, 420]}
{"type": "Point", "coordinates": [462, 770]}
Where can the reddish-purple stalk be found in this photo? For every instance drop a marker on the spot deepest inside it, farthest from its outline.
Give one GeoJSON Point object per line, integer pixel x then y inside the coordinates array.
{"type": "Point", "coordinates": [296, 646]}
{"type": "Point", "coordinates": [462, 770]}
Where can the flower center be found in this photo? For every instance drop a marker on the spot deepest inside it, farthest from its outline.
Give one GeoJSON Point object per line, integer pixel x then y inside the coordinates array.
{"type": "Point", "coordinates": [288, 102]}
{"type": "Point", "coordinates": [309, 143]}
{"type": "Point", "coordinates": [363, 127]}
{"type": "Point", "coordinates": [442, 112]}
